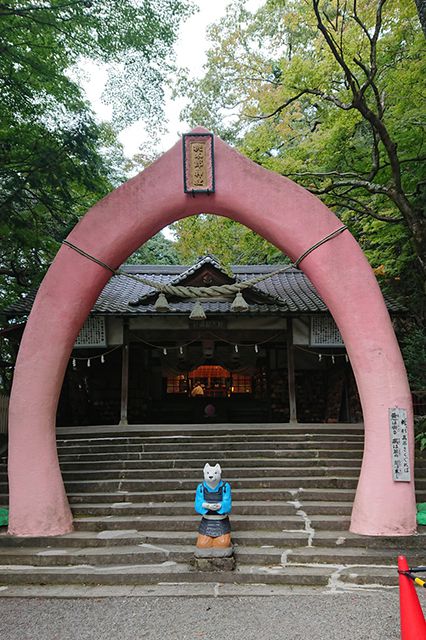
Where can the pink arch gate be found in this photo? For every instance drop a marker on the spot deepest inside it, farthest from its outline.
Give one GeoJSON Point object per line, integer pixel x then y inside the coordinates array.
{"type": "Point", "coordinates": [282, 212]}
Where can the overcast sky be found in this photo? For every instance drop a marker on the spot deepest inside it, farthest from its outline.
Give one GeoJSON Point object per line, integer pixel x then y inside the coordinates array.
{"type": "Point", "coordinates": [190, 50]}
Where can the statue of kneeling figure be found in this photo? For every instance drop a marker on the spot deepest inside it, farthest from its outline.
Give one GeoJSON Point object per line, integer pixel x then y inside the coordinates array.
{"type": "Point", "coordinates": [213, 500]}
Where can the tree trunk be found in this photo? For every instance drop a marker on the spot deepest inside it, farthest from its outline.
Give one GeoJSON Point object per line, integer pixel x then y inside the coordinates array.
{"type": "Point", "coordinates": [421, 10]}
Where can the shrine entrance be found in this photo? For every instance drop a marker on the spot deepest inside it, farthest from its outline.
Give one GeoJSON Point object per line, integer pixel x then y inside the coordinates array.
{"type": "Point", "coordinates": [183, 182]}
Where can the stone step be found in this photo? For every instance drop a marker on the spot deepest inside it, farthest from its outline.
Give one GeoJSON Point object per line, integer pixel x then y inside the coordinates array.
{"type": "Point", "coordinates": [358, 575]}
{"type": "Point", "coordinates": [235, 472]}
{"type": "Point", "coordinates": [188, 496]}
{"type": "Point", "coordinates": [203, 445]}
{"type": "Point", "coordinates": [147, 553]}
{"type": "Point", "coordinates": [211, 439]}
{"type": "Point", "coordinates": [238, 508]}
{"type": "Point", "coordinates": [242, 463]}
{"type": "Point", "coordinates": [172, 485]}
{"type": "Point", "coordinates": [329, 482]}
{"type": "Point", "coordinates": [191, 522]}
{"type": "Point", "coordinates": [168, 571]}
{"type": "Point", "coordinates": [248, 495]}
{"type": "Point", "coordinates": [203, 429]}
{"type": "Point", "coordinates": [285, 539]}
{"type": "Point", "coordinates": [203, 455]}
{"type": "Point", "coordinates": [349, 556]}
{"type": "Point", "coordinates": [143, 553]}
{"type": "Point", "coordinates": [190, 484]}
{"type": "Point", "coordinates": [210, 448]}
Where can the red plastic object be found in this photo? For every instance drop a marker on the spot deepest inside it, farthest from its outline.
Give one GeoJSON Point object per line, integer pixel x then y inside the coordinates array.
{"type": "Point", "coordinates": [413, 624]}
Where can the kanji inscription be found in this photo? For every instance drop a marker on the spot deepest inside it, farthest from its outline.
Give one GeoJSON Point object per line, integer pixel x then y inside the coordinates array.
{"type": "Point", "coordinates": [399, 444]}
{"type": "Point", "coordinates": [198, 165]}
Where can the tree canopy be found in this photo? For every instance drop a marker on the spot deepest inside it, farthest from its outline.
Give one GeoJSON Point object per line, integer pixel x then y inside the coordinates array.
{"type": "Point", "coordinates": [229, 241]}
{"type": "Point", "coordinates": [157, 250]}
{"type": "Point", "coordinates": [56, 160]}
{"type": "Point", "coordinates": [331, 94]}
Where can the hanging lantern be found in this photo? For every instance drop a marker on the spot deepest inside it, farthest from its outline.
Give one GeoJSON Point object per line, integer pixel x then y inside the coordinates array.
{"type": "Point", "coordinates": [74, 363]}
{"type": "Point", "coordinates": [164, 351]}
{"type": "Point", "coordinates": [256, 348]}
{"type": "Point", "coordinates": [319, 357]}
{"type": "Point", "coordinates": [239, 304]}
{"type": "Point", "coordinates": [332, 359]}
{"type": "Point", "coordinates": [88, 362]}
{"type": "Point", "coordinates": [197, 312]}
{"type": "Point", "coordinates": [181, 351]}
{"type": "Point", "coordinates": [162, 304]}
{"type": "Point", "coordinates": [236, 348]}
{"type": "Point", "coordinates": [102, 359]}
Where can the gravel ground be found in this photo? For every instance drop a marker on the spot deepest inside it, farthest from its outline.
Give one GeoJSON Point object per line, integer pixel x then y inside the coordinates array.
{"type": "Point", "coordinates": [352, 616]}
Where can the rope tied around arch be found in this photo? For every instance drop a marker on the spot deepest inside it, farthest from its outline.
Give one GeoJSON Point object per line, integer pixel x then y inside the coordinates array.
{"type": "Point", "coordinates": [214, 291]}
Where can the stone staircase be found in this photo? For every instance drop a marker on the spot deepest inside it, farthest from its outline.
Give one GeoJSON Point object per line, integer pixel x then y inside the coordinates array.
{"type": "Point", "coordinates": [132, 498]}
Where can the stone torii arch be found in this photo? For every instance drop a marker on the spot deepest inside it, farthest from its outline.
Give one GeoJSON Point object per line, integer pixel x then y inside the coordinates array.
{"type": "Point", "coordinates": [282, 212]}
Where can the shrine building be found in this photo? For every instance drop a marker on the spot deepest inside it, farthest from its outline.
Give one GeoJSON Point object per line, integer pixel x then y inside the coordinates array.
{"type": "Point", "coordinates": [277, 357]}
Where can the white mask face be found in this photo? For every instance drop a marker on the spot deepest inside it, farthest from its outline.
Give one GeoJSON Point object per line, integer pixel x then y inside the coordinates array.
{"type": "Point", "coordinates": [212, 475]}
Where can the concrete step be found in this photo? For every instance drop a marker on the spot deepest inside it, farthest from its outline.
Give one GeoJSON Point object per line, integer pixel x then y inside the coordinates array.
{"type": "Point", "coordinates": [335, 540]}
{"type": "Point", "coordinates": [234, 472]}
{"type": "Point", "coordinates": [315, 494]}
{"type": "Point", "coordinates": [242, 463]}
{"type": "Point", "coordinates": [191, 522]}
{"type": "Point", "coordinates": [249, 495]}
{"type": "Point", "coordinates": [203, 429]}
{"type": "Point", "coordinates": [211, 449]}
{"type": "Point", "coordinates": [147, 553]}
{"type": "Point", "coordinates": [202, 456]}
{"type": "Point", "coordinates": [324, 482]}
{"type": "Point", "coordinates": [212, 439]}
{"type": "Point", "coordinates": [350, 555]}
{"type": "Point", "coordinates": [204, 445]}
{"type": "Point", "coordinates": [238, 508]}
{"type": "Point", "coordinates": [143, 553]}
{"type": "Point", "coordinates": [132, 498]}
{"type": "Point", "coordinates": [168, 571]}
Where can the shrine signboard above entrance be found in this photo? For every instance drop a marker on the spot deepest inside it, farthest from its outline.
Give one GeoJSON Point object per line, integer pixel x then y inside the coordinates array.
{"type": "Point", "coordinates": [198, 163]}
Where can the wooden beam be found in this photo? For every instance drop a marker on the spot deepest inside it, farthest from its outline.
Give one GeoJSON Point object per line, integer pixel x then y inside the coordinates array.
{"type": "Point", "coordinates": [290, 370]}
{"type": "Point", "coordinates": [124, 374]}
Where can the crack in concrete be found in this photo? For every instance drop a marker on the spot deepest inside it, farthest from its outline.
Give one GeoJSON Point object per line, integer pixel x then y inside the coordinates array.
{"type": "Point", "coordinates": [309, 530]}
{"type": "Point", "coordinates": [308, 526]}
{"type": "Point", "coordinates": [284, 557]}
{"type": "Point", "coordinates": [337, 585]}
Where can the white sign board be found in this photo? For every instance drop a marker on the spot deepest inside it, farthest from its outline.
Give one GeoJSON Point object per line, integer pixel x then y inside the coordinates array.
{"type": "Point", "coordinates": [399, 444]}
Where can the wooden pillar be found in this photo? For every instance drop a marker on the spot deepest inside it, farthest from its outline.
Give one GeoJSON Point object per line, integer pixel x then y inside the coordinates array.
{"type": "Point", "coordinates": [290, 371]}
{"type": "Point", "coordinates": [124, 374]}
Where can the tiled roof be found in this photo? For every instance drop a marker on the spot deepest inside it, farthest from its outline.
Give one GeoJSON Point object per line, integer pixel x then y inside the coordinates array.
{"type": "Point", "coordinates": [289, 292]}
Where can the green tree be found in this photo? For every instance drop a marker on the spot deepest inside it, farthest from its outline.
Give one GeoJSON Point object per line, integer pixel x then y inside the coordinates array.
{"type": "Point", "coordinates": [157, 250]}
{"type": "Point", "coordinates": [229, 241]}
{"type": "Point", "coordinates": [329, 93]}
{"type": "Point", "coordinates": [56, 161]}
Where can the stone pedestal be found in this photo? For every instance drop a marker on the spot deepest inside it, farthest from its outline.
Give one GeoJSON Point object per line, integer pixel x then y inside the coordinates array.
{"type": "Point", "coordinates": [214, 559]}
{"type": "Point", "coordinates": [214, 564]}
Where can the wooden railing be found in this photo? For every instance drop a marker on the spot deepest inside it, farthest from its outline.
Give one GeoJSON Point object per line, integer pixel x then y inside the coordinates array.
{"type": "Point", "coordinates": [4, 409]}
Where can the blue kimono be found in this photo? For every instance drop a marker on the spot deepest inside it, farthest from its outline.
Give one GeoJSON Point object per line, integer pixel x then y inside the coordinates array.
{"type": "Point", "coordinates": [212, 525]}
